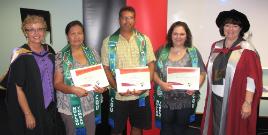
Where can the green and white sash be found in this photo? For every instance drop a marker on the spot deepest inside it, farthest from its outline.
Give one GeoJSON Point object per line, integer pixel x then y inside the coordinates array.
{"type": "Point", "coordinates": [75, 102]}
{"type": "Point", "coordinates": [113, 40]}
{"type": "Point", "coordinates": [158, 95]}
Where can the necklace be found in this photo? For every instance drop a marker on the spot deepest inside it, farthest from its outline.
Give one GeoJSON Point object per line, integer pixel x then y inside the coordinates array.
{"type": "Point", "coordinates": [177, 51]}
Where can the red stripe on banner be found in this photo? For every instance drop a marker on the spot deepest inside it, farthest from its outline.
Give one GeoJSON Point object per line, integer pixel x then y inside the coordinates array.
{"type": "Point", "coordinates": [126, 71]}
{"type": "Point", "coordinates": [86, 70]}
{"type": "Point", "coordinates": [175, 83]}
{"type": "Point", "coordinates": [151, 19]}
{"type": "Point", "coordinates": [176, 70]}
{"type": "Point", "coordinates": [127, 84]}
{"type": "Point", "coordinates": [86, 85]}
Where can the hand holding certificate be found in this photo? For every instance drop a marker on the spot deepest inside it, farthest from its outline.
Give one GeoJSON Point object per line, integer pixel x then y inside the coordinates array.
{"type": "Point", "coordinates": [133, 79]}
{"type": "Point", "coordinates": [185, 78]}
{"type": "Point", "coordinates": [88, 77]}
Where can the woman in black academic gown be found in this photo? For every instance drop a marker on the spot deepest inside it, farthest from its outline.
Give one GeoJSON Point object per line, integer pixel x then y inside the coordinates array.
{"type": "Point", "coordinates": [30, 93]}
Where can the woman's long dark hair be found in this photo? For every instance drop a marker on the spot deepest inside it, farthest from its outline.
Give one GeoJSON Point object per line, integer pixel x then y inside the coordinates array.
{"type": "Point", "coordinates": [188, 42]}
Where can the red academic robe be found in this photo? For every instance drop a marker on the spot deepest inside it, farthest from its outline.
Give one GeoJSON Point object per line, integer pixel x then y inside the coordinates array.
{"type": "Point", "coordinates": [248, 65]}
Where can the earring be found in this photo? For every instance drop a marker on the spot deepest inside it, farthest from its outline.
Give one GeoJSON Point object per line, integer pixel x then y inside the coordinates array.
{"type": "Point", "coordinates": [43, 41]}
{"type": "Point", "coordinates": [26, 37]}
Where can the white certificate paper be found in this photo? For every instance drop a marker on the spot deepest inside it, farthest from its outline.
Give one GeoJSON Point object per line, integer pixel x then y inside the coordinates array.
{"type": "Point", "coordinates": [133, 78]}
{"type": "Point", "coordinates": [185, 78]}
{"type": "Point", "coordinates": [88, 77]}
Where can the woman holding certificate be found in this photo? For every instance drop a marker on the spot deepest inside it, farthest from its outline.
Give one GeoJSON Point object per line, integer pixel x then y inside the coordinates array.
{"type": "Point", "coordinates": [175, 104]}
{"type": "Point", "coordinates": [76, 105]}
{"type": "Point", "coordinates": [234, 80]}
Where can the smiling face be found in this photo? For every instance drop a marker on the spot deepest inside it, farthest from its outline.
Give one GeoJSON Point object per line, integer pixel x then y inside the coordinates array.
{"type": "Point", "coordinates": [75, 36]}
{"type": "Point", "coordinates": [231, 31]}
{"type": "Point", "coordinates": [127, 21]}
{"type": "Point", "coordinates": [179, 36]}
{"type": "Point", "coordinates": [35, 33]}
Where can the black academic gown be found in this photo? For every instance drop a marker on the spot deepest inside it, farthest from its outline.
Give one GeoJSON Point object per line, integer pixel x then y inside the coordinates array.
{"type": "Point", "coordinates": [25, 73]}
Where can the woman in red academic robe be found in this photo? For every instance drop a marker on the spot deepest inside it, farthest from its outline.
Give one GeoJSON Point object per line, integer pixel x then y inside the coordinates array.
{"type": "Point", "coordinates": [234, 80]}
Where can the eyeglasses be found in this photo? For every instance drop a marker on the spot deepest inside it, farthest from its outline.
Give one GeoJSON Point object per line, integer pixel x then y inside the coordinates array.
{"type": "Point", "coordinates": [38, 30]}
{"type": "Point", "coordinates": [127, 18]}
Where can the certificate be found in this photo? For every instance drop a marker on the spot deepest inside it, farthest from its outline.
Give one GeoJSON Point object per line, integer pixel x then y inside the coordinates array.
{"type": "Point", "coordinates": [132, 79]}
{"type": "Point", "coordinates": [185, 78]}
{"type": "Point", "coordinates": [88, 77]}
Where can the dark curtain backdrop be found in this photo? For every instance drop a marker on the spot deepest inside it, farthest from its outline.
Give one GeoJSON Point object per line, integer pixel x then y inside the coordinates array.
{"type": "Point", "coordinates": [100, 18]}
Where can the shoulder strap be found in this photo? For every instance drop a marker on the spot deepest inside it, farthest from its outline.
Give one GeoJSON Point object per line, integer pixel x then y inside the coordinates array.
{"type": "Point", "coordinates": [113, 40]}
{"type": "Point", "coordinates": [162, 58]}
{"type": "Point", "coordinates": [67, 64]}
{"type": "Point", "coordinates": [141, 42]}
{"type": "Point", "coordinates": [193, 55]}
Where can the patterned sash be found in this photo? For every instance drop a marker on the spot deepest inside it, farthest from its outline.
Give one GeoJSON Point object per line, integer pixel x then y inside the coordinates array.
{"type": "Point", "coordinates": [113, 40]}
{"type": "Point", "coordinates": [158, 95]}
{"type": "Point", "coordinates": [75, 102]}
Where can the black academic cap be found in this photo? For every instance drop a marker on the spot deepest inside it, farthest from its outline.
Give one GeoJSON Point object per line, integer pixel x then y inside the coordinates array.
{"type": "Point", "coordinates": [233, 14]}
{"type": "Point", "coordinates": [45, 14]}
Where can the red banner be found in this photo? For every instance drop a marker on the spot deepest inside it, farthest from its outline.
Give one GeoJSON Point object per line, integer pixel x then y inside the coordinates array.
{"type": "Point", "coordinates": [151, 19]}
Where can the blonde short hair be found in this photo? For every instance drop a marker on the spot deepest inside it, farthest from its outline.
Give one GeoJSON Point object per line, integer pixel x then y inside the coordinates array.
{"type": "Point", "coordinates": [32, 19]}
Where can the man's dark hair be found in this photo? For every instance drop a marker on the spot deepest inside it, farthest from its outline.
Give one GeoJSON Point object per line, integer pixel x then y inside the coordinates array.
{"type": "Point", "coordinates": [127, 8]}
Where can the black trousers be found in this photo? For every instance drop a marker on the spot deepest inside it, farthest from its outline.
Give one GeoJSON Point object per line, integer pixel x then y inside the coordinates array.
{"type": "Point", "coordinates": [175, 122]}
